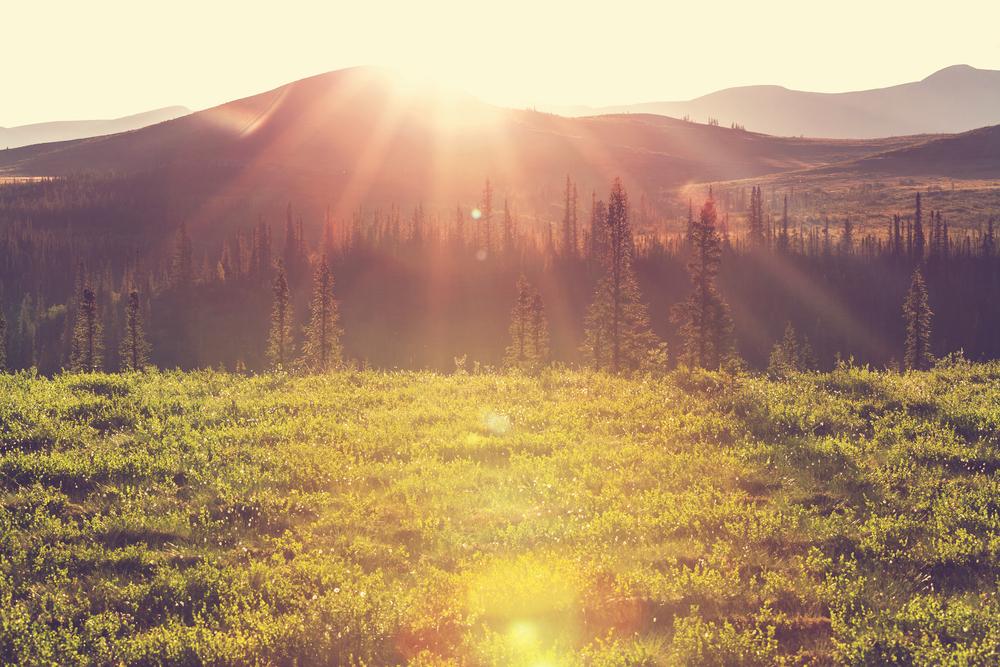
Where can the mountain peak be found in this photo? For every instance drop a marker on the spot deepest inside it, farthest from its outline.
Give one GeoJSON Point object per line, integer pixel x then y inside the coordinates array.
{"type": "Point", "coordinates": [953, 72]}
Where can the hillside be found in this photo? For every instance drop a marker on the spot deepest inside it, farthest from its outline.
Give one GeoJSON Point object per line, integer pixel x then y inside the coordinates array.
{"type": "Point", "coordinates": [970, 155]}
{"type": "Point", "coordinates": [67, 130]}
{"type": "Point", "coordinates": [360, 136]}
{"type": "Point", "coordinates": [570, 519]}
{"type": "Point", "coordinates": [955, 99]}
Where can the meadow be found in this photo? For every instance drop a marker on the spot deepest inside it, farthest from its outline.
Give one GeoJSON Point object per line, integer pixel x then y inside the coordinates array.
{"type": "Point", "coordinates": [568, 518]}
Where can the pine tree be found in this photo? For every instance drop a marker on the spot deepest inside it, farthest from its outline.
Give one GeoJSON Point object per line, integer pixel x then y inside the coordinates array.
{"type": "Point", "coordinates": [618, 335]}
{"type": "Point", "coordinates": [519, 352]}
{"type": "Point", "coordinates": [706, 326]}
{"type": "Point", "coordinates": [87, 346]}
{"type": "Point", "coordinates": [181, 267]}
{"type": "Point", "coordinates": [539, 331]}
{"type": "Point", "coordinates": [508, 228]}
{"type": "Point", "coordinates": [917, 317]}
{"type": "Point", "coordinates": [783, 234]}
{"type": "Point", "coordinates": [3, 341]}
{"type": "Point", "coordinates": [279, 345]}
{"type": "Point", "coordinates": [486, 213]}
{"type": "Point", "coordinates": [598, 232]}
{"type": "Point", "coordinates": [322, 349]}
{"type": "Point", "coordinates": [791, 355]}
{"type": "Point", "coordinates": [529, 331]}
{"type": "Point", "coordinates": [569, 246]}
{"type": "Point", "coordinates": [918, 233]}
{"type": "Point", "coordinates": [755, 222]}
{"type": "Point", "coordinates": [134, 347]}
{"type": "Point", "coordinates": [847, 237]}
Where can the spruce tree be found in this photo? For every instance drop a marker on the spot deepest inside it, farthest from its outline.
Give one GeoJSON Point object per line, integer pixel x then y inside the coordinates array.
{"type": "Point", "coordinates": [791, 355]}
{"type": "Point", "coordinates": [918, 233]}
{"type": "Point", "coordinates": [181, 266]}
{"type": "Point", "coordinates": [3, 342]}
{"type": "Point", "coordinates": [569, 241]}
{"type": "Point", "coordinates": [539, 331]}
{"type": "Point", "coordinates": [618, 335]}
{"type": "Point", "coordinates": [598, 232]}
{"type": "Point", "coordinates": [322, 350]}
{"type": "Point", "coordinates": [529, 331]}
{"type": "Point", "coordinates": [917, 317]}
{"type": "Point", "coordinates": [519, 351]}
{"type": "Point", "coordinates": [134, 347]}
{"type": "Point", "coordinates": [87, 345]}
{"type": "Point", "coordinates": [706, 326]}
{"type": "Point", "coordinates": [279, 345]}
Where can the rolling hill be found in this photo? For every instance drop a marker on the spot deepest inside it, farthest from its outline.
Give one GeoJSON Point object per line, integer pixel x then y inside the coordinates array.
{"type": "Point", "coordinates": [362, 136]}
{"type": "Point", "coordinates": [954, 99]}
{"type": "Point", "coordinates": [65, 130]}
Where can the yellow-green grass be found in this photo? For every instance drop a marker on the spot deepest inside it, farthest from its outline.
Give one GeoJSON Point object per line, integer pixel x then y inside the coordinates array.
{"type": "Point", "coordinates": [501, 519]}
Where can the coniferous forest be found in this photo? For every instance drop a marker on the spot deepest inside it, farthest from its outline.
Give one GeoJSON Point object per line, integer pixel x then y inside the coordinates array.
{"type": "Point", "coordinates": [417, 289]}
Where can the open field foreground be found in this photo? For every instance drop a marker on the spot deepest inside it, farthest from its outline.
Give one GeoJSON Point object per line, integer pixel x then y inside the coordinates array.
{"type": "Point", "coordinates": [391, 518]}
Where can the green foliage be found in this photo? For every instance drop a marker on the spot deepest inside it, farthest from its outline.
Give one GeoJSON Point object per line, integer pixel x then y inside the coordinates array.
{"type": "Point", "coordinates": [618, 335]}
{"type": "Point", "coordinates": [706, 327]}
{"type": "Point", "coordinates": [322, 350]}
{"type": "Point", "coordinates": [87, 345]}
{"type": "Point", "coordinates": [917, 316]}
{"type": "Point", "coordinates": [792, 354]}
{"type": "Point", "coordinates": [279, 340]}
{"type": "Point", "coordinates": [134, 347]}
{"type": "Point", "coordinates": [529, 331]}
{"type": "Point", "coordinates": [566, 518]}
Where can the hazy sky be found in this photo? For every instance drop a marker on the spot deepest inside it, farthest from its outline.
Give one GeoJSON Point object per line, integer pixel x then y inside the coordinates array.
{"type": "Point", "coordinates": [67, 59]}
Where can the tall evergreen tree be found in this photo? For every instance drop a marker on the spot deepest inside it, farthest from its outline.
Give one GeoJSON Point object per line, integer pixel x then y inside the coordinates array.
{"type": "Point", "coordinates": [519, 352]}
{"type": "Point", "coordinates": [322, 348]}
{"type": "Point", "coordinates": [618, 335]}
{"type": "Point", "coordinates": [783, 234]}
{"type": "Point", "coordinates": [181, 266]}
{"type": "Point", "coordinates": [529, 333]}
{"type": "Point", "coordinates": [569, 241]}
{"type": "Point", "coordinates": [706, 326]}
{"type": "Point", "coordinates": [791, 355]}
{"type": "Point", "coordinates": [3, 341]}
{"type": "Point", "coordinates": [918, 233]}
{"type": "Point", "coordinates": [598, 232]}
{"type": "Point", "coordinates": [134, 347]}
{"type": "Point", "coordinates": [917, 318]}
{"type": "Point", "coordinates": [486, 217]}
{"type": "Point", "coordinates": [508, 228]}
{"type": "Point", "coordinates": [279, 345]}
{"type": "Point", "coordinates": [539, 330]}
{"type": "Point", "coordinates": [87, 346]}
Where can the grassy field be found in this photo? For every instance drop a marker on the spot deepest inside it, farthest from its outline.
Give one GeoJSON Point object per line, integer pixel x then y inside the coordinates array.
{"type": "Point", "coordinates": [391, 518]}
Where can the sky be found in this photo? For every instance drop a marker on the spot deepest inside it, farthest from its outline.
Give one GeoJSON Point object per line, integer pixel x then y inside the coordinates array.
{"type": "Point", "coordinates": [66, 59]}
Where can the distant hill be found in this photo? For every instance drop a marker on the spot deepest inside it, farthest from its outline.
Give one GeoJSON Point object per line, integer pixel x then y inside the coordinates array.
{"type": "Point", "coordinates": [39, 133]}
{"type": "Point", "coordinates": [955, 99]}
{"type": "Point", "coordinates": [974, 154]}
{"type": "Point", "coordinates": [360, 136]}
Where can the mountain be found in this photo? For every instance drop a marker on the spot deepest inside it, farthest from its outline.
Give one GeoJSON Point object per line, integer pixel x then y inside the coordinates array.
{"type": "Point", "coordinates": [970, 155]}
{"type": "Point", "coordinates": [363, 137]}
{"type": "Point", "coordinates": [955, 99]}
{"type": "Point", "coordinates": [63, 130]}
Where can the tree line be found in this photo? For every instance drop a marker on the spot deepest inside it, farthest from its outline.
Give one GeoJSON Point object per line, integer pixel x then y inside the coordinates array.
{"type": "Point", "coordinates": [617, 332]}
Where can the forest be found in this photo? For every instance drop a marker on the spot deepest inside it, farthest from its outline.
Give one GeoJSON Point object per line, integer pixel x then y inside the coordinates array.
{"type": "Point", "coordinates": [416, 289]}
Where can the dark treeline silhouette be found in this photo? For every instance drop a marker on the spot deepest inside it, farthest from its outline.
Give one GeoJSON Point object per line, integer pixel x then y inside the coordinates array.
{"type": "Point", "coordinates": [416, 289]}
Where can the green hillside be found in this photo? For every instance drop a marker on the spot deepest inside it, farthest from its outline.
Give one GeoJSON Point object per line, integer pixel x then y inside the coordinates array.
{"type": "Point", "coordinates": [385, 518]}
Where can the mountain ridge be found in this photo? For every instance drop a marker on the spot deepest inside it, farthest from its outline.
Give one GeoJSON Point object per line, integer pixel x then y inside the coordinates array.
{"type": "Point", "coordinates": [954, 99]}
{"type": "Point", "coordinates": [68, 130]}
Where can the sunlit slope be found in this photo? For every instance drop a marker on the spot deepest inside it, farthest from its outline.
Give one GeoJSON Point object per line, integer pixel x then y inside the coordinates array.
{"type": "Point", "coordinates": [363, 135]}
{"type": "Point", "coordinates": [501, 520]}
